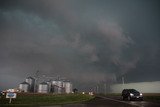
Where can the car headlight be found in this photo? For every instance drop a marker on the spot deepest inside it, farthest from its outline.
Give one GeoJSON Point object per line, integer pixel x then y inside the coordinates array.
{"type": "Point", "coordinates": [141, 94]}
{"type": "Point", "coordinates": [131, 94]}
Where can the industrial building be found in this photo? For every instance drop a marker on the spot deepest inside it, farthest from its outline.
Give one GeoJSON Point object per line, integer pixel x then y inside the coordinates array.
{"type": "Point", "coordinates": [144, 87]}
{"type": "Point", "coordinates": [56, 86]}
{"type": "Point", "coordinates": [24, 87]}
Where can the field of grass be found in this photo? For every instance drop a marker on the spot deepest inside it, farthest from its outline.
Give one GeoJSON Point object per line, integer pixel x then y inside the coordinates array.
{"type": "Point", "coordinates": [35, 100]}
{"type": "Point", "coordinates": [154, 97]}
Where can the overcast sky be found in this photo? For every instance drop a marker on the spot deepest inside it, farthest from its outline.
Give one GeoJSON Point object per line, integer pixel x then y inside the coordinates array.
{"type": "Point", "coordinates": [85, 41]}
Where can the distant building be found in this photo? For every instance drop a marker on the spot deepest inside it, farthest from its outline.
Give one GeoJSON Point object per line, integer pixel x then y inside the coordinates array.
{"type": "Point", "coordinates": [144, 87]}
{"type": "Point", "coordinates": [31, 82]}
{"type": "Point", "coordinates": [52, 86]}
{"type": "Point", "coordinates": [24, 87]}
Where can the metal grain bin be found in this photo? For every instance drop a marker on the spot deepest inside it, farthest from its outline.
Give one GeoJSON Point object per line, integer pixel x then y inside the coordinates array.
{"type": "Point", "coordinates": [49, 86]}
{"type": "Point", "coordinates": [54, 82]}
{"type": "Point", "coordinates": [43, 87]}
{"type": "Point", "coordinates": [24, 87]}
{"type": "Point", "coordinates": [53, 88]}
{"type": "Point", "coordinates": [67, 87]}
{"type": "Point", "coordinates": [60, 87]}
{"type": "Point", "coordinates": [31, 82]}
{"type": "Point", "coordinates": [57, 86]}
{"type": "Point", "coordinates": [60, 83]}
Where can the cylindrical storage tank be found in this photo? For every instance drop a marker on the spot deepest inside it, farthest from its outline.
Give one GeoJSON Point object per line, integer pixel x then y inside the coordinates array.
{"type": "Point", "coordinates": [57, 86]}
{"type": "Point", "coordinates": [49, 85]}
{"type": "Point", "coordinates": [31, 82]}
{"type": "Point", "coordinates": [24, 87]}
{"type": "Point", "coordinates": [43, 87]}
{"type": "Point", "coordinates": [53, 86]}
{"type": "Point", "coordinates": [64, 84]}
{"type": "Point", "coordinates": [54, 82]}
{"type": "Point", "coordinates": [67, 87]}
{"type": "Point", "coordinates": [60, 86]}
{"type": "Point", "coordinates": [60, 83]}
{"type": "Point", "coordinates": [55, 89]}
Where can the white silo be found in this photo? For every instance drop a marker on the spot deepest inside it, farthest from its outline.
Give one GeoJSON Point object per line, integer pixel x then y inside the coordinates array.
{"type": "Point", "coordinates": [31, 82]}
{"type": "Point", "coordinates": [49, 86]}
{"type": "Point", "coordinates": [60, 83]}
{"type": "Point", "coordinates": [54, 86]}
{"type": "Point", "coordinates": [43, 87]}
{"type": "Point", "coordinates": [24, 87]}
{"type": "Point", "coordinates": [67, 86]}
{"type": "Point", "coordinates": [57, 86]}
{"type": "Point", "coordinates": [54, 82]}
{"type": "Point", "coordinates": [60, 86]}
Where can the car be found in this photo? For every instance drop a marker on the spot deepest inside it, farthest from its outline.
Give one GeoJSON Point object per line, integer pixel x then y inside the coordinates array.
{"type": "Point", "coordinates": [131, 94]}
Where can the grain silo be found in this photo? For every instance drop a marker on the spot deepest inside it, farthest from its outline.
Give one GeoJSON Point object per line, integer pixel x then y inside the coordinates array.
{"type": "Point", "coordinates": [57, 86]}
{"type": "Point", "coordinates": [49, 86]}
{"type": "Point", "coordinates": [67, 87]}
{"type": "Point", "coordinates": [24, 87]}
{"type": "Point", "coordinates": [43, 87]}
{"type": "Point", "coordinates": [53, 86]}
{"type": "Point", "coordinates": [31, 82]}
{"type": "Point", "coordinates": [60, 86]}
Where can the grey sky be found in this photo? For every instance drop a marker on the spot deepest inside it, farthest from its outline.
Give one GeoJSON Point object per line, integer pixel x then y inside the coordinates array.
{"type": "Point", "coordinates": [86, 41]}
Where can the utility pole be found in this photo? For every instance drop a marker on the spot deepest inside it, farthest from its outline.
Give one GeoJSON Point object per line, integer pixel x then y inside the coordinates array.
{"type": "Point", "coordinates": [97, 88]}
{"type": "Point", "coordinates": [123, 80]}
{"type": "Point", "coordinates": [105, 87]}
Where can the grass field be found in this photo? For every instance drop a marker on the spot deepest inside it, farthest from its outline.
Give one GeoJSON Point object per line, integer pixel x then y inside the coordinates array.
{"type": "Point", "coordinates": [154, 97]}
{"type": "Point", "coordinates": [35, 100]}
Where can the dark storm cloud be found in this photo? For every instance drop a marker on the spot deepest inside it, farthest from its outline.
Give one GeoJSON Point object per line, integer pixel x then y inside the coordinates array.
{"type": "Point", "coordinates": [84, 41]}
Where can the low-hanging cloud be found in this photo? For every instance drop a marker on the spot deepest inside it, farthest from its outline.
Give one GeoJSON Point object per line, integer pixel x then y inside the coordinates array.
{"type": "Point", "coordinates": [46, 40]}
{"type": "Point", "coordinates": [60, 38]}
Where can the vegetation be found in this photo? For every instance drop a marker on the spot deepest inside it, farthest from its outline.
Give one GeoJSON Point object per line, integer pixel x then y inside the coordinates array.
{"type": "Point", "coordinates": [154, 97]}
{"type": "Point", "coordinates": [35, 100]}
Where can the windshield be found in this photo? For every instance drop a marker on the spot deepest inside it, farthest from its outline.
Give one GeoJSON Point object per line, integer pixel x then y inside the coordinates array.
{"type": "Point", "coordinates": [133, 91]}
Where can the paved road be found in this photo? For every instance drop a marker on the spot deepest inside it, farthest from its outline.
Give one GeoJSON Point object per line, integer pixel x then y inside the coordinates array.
{"type": "Point", "coordinates": [134, 103]}
{"type": "Point", "coordinates": [108, 102]}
